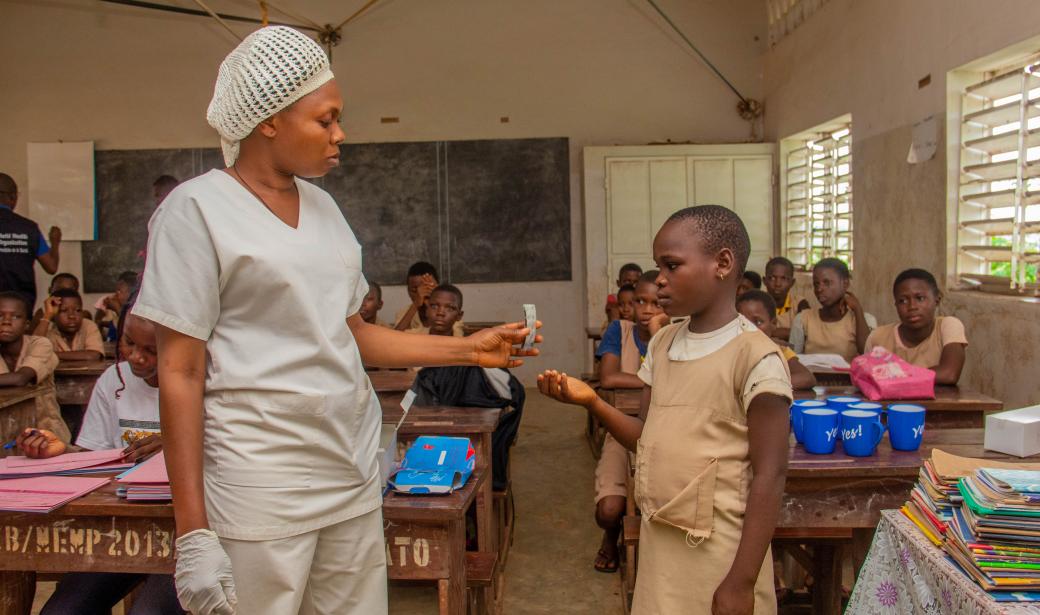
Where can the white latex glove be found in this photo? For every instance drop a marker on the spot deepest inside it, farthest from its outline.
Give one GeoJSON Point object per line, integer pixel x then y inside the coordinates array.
{"type": "Point", "coordinates": [203, 576]}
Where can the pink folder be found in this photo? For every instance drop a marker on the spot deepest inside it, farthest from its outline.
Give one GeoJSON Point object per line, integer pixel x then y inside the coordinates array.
{"type": "Point", "coordinates": [151, 471]}
{"type": "Point", "coordinates": [45, 493]}
{"type": "Point", "coordinates": [68, 461]}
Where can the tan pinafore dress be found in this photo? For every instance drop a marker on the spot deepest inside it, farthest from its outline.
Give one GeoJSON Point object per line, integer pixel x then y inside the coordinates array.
{"type": "Point", "coordinates": [692, 477]}
{"type": "Point", "coordinates": [612, 467]}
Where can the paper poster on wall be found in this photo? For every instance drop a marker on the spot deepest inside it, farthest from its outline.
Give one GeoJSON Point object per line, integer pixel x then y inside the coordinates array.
{"type": "Point", "coordinates": [61, 188]}
{"type": "Point", "coordinates": [925, 140]}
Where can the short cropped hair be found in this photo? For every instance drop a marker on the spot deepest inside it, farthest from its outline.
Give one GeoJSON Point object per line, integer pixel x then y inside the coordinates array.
{"type": "Point", "coordinates": [754, 278]}
{"type": "Point", "coordinates": [649, 277]}
{"type": "Point", "coordinates": [836, 265]}
{"type": "Point", "coordinates": [64, 276]}
{"type": "Point", "coordinates": [129, 278]}
{"type": "Point", "coordinates": [720, 228]}
{"type": "Point", "coordinates": [449, 288]}
{"type": "Point", "coordinates": [629, 267]}
{"type": "Point", "coordinates": [13, 296]}
{"type": "Point", "coordinates": [166, 182]}
{"type": "Point", "coordinates": [782, 261]}
{"type": "Point", "coordinates": [916, 274]}
{"type": "Point", "coordinates": [67, 293]}
{"type": "Point", "coordinates": [626, 288]}
{"type": "Point", "coordinates": [423, 268]}
{"type": "Point", "coordinates": [374, 286]}
{"type": "Point", "coordinates": [761, 297]}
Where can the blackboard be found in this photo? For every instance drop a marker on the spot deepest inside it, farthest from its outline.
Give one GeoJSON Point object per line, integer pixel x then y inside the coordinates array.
{"type": "Point", "coordinates": [481, 211]}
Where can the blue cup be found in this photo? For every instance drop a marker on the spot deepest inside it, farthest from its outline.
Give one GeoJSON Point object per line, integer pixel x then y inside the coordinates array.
{"type": "Point", "coordinates": [861, 431]}
{"type": "Point", "coordinates": [820, 430]}
{"type": "Point", "coordinates": [905, 426]}
{"type": "Point", "coordinates": [796, 415]}
{"type": "Point", "coordinates": [841, 403]}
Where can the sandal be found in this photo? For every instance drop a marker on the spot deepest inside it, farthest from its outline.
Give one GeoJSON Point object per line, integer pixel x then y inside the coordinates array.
{"type": "Point", "coordinates": [604, 563]}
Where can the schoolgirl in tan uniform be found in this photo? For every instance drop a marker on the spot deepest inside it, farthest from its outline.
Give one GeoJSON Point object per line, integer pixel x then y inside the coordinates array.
{"type": "Point", "coordinates": [840, 326]}
{"type": "Point", "coordinates": [712, 438]}
{"type": "Point", "coordinates": [921, 337]}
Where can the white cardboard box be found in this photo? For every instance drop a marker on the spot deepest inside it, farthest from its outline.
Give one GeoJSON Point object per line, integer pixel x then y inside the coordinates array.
{"type": "Point", "coordinates": [1014, 432]}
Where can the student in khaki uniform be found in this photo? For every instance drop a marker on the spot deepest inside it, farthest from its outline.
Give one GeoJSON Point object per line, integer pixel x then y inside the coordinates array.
{"type": "Point", "coordinates": [270, 424]}
{"type": "Point", "coordinates": [621, 353]}
{"type": "Point", "coordinates": [922, 338]}
{"type": "Point", "coordinates": [29, 360]}
{"type": "Point", "coordinates": [779, 282]}
{"type": "Point", "coordinates": [758, 307]}
{"type": "Point", "coordinates": [840, 326]}
{"type": "Point", "coordinates": [74, 337]}
{"type": "Point", "coordinates": [422, 279]}
{"type": "Point", "coordinates": [371, 304]}
{"type": "Point", "coordinates": [712, 439]}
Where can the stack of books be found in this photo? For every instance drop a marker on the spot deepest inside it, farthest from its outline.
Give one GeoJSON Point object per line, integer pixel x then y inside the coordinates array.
{"type": "Point", "coordinates": [147, 482]}
{"type": "Point", "coordinates": [69, 464]}
{"type": "Point", "coordinates": [995, 533]}
{"type": "Point", "coordinates": [932, 502]}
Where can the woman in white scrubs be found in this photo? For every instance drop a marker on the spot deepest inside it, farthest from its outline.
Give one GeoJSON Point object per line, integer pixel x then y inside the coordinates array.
{"type": "Point", "coordinates": [270, 425]}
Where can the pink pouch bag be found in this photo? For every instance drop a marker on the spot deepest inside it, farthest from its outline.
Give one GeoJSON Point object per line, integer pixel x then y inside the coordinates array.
{"type": "Point", "coordinates": [882, 375]}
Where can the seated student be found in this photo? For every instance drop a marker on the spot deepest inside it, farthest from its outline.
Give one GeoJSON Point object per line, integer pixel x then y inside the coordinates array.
{"type": "Point", "coordinates": [73, 337]}
{"type": "Point", "coordinates": [29, 360]}
{"type": "Point", "coordinates": [626, 302]}
{"type": "Point", "coordinates": [758, 307]}
{"type": "Point", "coordinates": [840, 326]}
{"type": "Point", "coordinates": [750, 281]}
{"type": "Point", "coordinates": [922, 338]}
{"type": "Point", "coordinates": [628, 275]}
{"type": "Point", "coordinates": [62, 280]}
{"type": "Point", "coordinates": [779, 281]}
{"type": "Point", "coordinates": [621, 353]}
{"type": "Point", "coordinates": [469, 386]}
{"type": "Point", "coordinates": [371, 304]}
{"type": "Point", "coordinates": [108, 308]}
{"type": "Point", "coordinates": [123, 413]}
{"type": "Point", "coordinates": [422, 279]}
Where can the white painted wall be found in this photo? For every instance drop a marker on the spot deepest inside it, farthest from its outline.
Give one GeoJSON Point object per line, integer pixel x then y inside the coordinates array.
{"type": "Point", "coordinates": [600, 72]}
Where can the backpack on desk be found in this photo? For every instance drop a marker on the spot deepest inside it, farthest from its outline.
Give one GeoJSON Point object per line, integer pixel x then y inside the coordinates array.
{"type": "Point", "coordinates": [881, 374]}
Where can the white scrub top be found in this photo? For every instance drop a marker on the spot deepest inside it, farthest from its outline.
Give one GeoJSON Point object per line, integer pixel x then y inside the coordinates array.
{"type": "Point", "coordinates": [291, 420]}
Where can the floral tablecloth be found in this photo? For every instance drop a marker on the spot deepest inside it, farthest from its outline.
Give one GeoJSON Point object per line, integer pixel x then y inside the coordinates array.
{"type": "Point", "coordinates": [905, 573]}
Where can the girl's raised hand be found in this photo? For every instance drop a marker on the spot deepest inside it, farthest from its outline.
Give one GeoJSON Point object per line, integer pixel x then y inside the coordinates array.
{"type": "Point", "coordinates": [499, 346]}
{"type": "Point", "coordinates": [562, 387]}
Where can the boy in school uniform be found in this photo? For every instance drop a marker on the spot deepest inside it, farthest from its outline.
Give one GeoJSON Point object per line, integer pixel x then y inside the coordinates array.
{"type": "Point", "coordinates": [626, 303]}
{"type": "Point", "coordinates": [422, 280]}
{"type": "Point", "coordinates": [371, 304]}
{"type": "Point", "coordinates": [748, 282]}
{"type": "Point", "coordinates": [621, 353]}
{"type": "Point", "coordinates": [922, 337]}
{"type": "Point", "coordinates": [628, 275]}
{"type": "Point", "coordinates": [29, 360]}
{"type": "Point", "coordinates": [108, 308]}
{"type": "Point", "coordinates": [123, 413]}
{"type": "Point", "coordinates": [73, 337]}
{"type": "Point", "coordinates": [712, 435]}
{"type": "Point", "coordinates": [779, 281]}
{"type": "Point", "coordinates": [62, 280]}
{"type": "Point", "coordinates": [758, 307]}
{"type": "Point", "coordinates": [840, 326]}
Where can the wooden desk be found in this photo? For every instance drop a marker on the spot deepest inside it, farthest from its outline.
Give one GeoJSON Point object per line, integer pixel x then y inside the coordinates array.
{"type": "Point", "coordinates": [953, 407]}
{"type": "Point", "coordinates": [425, 540]}
{"type": "Point", "coordinates": [477, 424]}
{"type": "Point", "coordinates": [392, 381]}
{"type": "Point", "coordinates": [75, 380]}
{"type": "Point", "coordinates": [17, 411]}
{"type": "Point", "coordinates": [828, 492]}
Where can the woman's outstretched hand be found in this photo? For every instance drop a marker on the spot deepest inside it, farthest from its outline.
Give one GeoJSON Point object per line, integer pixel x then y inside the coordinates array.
{"type": "Point", "coordinates": [562, 387]}
{"type": "Point", "coordinates": [500, 346]}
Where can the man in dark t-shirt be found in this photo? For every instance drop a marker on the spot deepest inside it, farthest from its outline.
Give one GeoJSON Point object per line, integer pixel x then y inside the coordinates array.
{"type": "Point", "coordinates": [21, 244]}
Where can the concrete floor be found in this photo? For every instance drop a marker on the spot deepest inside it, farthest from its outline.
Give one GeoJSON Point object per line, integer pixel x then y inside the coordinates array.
{"type": "Point", "coordinates": [550, 565]}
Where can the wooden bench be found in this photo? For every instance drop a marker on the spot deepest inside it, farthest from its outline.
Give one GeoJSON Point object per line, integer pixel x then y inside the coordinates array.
{"type": "Point", "coordinates": [481, 578]}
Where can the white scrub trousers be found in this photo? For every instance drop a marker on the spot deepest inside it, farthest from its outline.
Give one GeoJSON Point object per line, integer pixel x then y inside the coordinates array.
{"type": "Point", "coordinates": [336, 570]}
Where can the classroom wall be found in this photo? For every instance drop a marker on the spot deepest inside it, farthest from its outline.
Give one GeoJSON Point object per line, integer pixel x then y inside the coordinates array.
{"type": "Point", "coordinates": [600, 72]}
{"type": "Point", "coordinates": [865, 58]}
